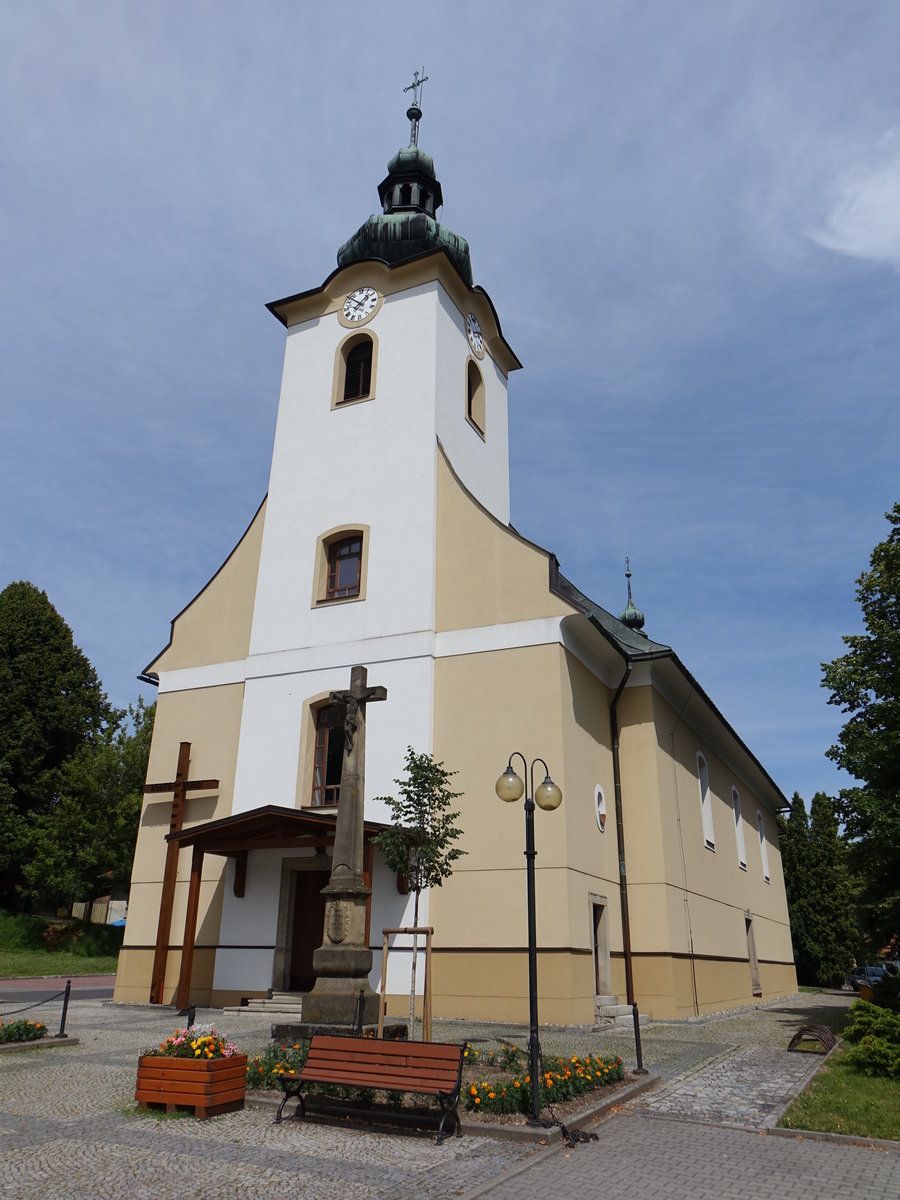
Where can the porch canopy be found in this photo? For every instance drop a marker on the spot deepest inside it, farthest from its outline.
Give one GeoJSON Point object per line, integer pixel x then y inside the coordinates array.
{"type": "Point", "coordinates": [266, 828]}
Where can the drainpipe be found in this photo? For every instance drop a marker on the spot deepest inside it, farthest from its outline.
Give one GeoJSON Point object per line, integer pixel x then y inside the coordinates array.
{"type": "Point", "coordinates": [620, 834]}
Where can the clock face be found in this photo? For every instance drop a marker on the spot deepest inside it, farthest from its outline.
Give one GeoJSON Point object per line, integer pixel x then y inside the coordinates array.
{"type": "Point", "coordinates": [360, 304]}
{"type": "Point", "coordinates": [473, 329]}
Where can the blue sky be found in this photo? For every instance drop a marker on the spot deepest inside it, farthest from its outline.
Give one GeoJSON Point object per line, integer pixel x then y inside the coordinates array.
{"type": "Point", "coordinates": [688, 219]}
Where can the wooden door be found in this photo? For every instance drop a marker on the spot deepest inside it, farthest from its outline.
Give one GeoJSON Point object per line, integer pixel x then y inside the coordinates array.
{"type": "Point", "coordinates": [309, 924]}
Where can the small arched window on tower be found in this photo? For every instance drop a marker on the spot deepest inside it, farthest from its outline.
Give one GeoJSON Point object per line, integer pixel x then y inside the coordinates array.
{"type": "Point", "coordinates": [354, 377]}
{"type": "Point", "coordinates": [475, 397]}
{"type": "Point", "coordinates": [358, 376]}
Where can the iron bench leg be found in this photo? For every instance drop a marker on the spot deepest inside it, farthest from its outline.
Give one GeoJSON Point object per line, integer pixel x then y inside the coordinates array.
{"type": "Point", "coordinates": [291, 1092]}
{"type": "Point", "coordinates": [448, 1109]}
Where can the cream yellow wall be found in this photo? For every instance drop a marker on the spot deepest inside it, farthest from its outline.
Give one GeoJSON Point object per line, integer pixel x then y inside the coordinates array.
{"type": "Point", "coordinates": [215, 626]}
{"type": "Point", "coordinates": [208, 718]}
{"type": "Point", "coordinates": [720, 892]}
{"type": "Point", "coordinates": [485, 574]}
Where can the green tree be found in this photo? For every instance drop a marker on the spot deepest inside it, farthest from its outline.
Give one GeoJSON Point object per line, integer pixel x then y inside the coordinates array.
{"type": "Point", "coordinates": [51, 704]}
{"type": "Point", "coordinates": [84, 844]}
{"type": "Point", "coordinates": [419, 846]}
{"type": "Point", "coordinates": [865, 684]}
{"type": "Point", "coordinates": [820, 893]}
{"type": "Point", "coordinates": [51, 701]}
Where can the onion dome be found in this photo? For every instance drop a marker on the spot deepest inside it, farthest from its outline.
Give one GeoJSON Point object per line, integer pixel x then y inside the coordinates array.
{"type": "Point", "coordinates": [632, 615]}
{"type": "Point", "coordinates": [410, 195]}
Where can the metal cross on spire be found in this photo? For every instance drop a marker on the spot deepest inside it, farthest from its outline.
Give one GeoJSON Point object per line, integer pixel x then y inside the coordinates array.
{"type": "Point", "coordinates": [414, 112]}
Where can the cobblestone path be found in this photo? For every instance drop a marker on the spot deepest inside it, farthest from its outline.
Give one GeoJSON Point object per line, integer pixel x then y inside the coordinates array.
{"type": "Point", "coordinates": [68, 1126]}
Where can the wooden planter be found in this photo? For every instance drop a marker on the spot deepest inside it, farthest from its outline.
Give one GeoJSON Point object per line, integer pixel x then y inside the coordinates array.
{"type": "Point", "coordinates": [210, 1087]}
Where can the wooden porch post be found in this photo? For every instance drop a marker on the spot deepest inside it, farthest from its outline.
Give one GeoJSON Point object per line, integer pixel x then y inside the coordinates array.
{"type": "Point", "coordinates": [183, 995]}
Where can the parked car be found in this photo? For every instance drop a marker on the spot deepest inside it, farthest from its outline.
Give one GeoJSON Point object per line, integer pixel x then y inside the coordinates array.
{"type": "Point", "coordinates": [869, 975]}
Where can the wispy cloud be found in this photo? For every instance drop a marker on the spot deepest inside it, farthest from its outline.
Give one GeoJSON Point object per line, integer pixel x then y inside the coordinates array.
{"type": "Point", "coordinates": [864, 217]}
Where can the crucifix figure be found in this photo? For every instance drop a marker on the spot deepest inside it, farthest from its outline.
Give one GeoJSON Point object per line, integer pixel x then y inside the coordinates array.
{"type": "Point", "coordinates": [179, 787]}
{"type": "Point", "coordinates": [343, 961]}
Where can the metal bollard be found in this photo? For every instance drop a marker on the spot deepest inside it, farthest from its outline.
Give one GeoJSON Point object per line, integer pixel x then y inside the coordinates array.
{"type": "Point", "coordinates": [62, 1024]}
{"type": "Point", "coordinates": [640, 1069]}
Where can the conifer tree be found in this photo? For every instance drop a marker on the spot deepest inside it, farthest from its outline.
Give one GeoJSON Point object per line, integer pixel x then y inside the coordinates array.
{"type": "Point", "coordinates": [820, 893]}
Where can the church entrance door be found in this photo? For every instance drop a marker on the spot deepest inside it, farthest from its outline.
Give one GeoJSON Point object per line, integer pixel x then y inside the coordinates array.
{"type": "Point", "coordinates": [309, 921]}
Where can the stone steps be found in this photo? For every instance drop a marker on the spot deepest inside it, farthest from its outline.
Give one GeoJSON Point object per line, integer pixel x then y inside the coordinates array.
{"type": "Point", "coordinates": [275, 1002]}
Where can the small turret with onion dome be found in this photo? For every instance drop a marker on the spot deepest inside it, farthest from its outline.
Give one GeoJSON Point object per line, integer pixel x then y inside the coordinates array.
{"type": "Point", "coordinates": [632, 615]}
{"type": "Point", "coordinates": [410, 196]}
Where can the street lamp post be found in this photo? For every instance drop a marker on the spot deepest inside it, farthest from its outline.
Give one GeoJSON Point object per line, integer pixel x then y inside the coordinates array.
{"type": "Point", "coordinates": [510, 788]}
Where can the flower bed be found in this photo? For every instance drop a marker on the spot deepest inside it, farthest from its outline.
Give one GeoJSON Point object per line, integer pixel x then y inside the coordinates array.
{"type": "Point", "coordinates": [22, 1031]}
{"type": "Point", "coordinates": [496, 1083]}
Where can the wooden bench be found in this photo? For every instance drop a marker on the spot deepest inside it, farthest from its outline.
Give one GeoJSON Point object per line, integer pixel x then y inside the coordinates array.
{"type": "Point", "coordinates": [424, 1068]}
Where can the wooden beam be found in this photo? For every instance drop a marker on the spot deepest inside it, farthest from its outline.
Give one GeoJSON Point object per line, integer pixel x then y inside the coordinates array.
{"type": "Point", "coordinates": [170, 874]}
{"type": "Point", "coordinates": [183, 995]}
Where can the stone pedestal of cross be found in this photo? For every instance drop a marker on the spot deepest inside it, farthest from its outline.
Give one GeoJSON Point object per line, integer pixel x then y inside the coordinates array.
{"type": "Point", "coordinates": [343, 961]}
{"type": "Point", "coordinates": [179, 787]}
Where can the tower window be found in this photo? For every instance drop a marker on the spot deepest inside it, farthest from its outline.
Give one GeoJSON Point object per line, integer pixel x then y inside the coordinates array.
{"type": "Point", "coordinates": [474, 397]}
{"type": "Point", "coordinates": [344, 568]}
{"type": "Point", "coordinates": [342, 556]}
{"type": "Point", "coordinates": [355, 369]}
{"type": "Point", "coordinates": [358, 372]}
{"type": "Point", "coordinates": [329, 757]}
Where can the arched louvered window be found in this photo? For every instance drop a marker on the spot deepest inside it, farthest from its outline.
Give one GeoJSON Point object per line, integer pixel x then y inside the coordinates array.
{"type": "Point", "coordinates": [475, 397]}
{"type": "Point", "coordinates": [358, 371]}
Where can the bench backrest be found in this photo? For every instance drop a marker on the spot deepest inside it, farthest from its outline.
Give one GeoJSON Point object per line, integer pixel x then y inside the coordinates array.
{"type": "Point", "coordinates": [429, 1067]}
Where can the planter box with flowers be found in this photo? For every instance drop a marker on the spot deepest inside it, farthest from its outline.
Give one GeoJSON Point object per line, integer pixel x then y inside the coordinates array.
{"type": "Point", "coordinates": [194, 1068]}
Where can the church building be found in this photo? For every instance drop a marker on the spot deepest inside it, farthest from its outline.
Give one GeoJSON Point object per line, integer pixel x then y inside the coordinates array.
{"type": "Point", "coordinates": [384, 541]}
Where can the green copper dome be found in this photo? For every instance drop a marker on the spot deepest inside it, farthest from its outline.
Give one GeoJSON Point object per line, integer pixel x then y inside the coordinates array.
{"type": "Point", "coordinates": [411, 158]}
{"type": "Point", "coordinates": [410, 195]}
{"type": "Point", "coordinates": [631, 614]}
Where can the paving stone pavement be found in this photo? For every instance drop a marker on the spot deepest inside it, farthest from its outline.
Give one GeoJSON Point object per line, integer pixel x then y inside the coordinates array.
{"type": "Point", "coordinates": [642, 1157]}
{"type": "Point", "coordinates": [68, 1125]}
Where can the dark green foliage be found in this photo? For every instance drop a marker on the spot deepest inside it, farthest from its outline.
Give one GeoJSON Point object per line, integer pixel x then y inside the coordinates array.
{"type": "Point", "coordinates": [83, 846]}
{"type": "Point", "coordinates": [887, 993]}
{"type": "Point", "coordinates": [820, 894]}
{"type": "Point", "coordinates": [865, 684]}
{"type": "Point", "coordinates": [51, 701]}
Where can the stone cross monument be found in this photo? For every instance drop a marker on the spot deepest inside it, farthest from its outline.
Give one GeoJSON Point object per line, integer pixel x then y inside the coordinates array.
{"type": "Point", "coordinates": [343, 961]}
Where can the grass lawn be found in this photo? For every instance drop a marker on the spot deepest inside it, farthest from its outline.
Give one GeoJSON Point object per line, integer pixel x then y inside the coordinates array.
{"type": "Point", "coordinates": [24, 964]}
{"type": "Point", "coordinates": [844, 1100]}
{"type": "Point", "coordinates": [37, 946]}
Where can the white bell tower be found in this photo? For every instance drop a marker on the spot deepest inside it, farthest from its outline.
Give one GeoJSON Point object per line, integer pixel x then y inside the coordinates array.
{"type": "Point", "coordinates": [396, 353]}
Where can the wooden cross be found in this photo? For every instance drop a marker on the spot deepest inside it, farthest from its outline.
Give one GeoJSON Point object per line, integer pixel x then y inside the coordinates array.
{"type": "Point", "coordinates": [179, 786]}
